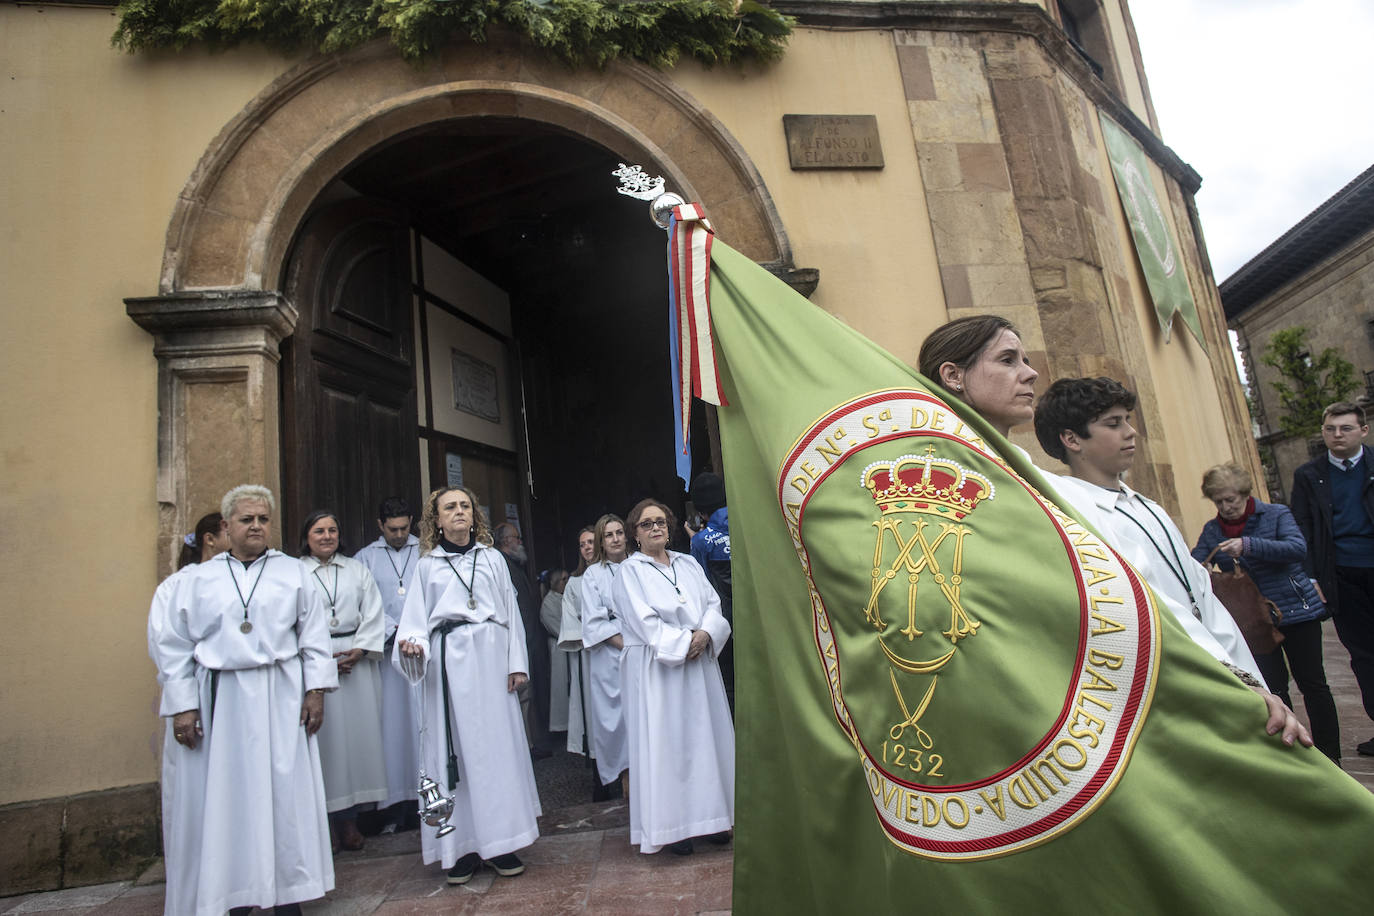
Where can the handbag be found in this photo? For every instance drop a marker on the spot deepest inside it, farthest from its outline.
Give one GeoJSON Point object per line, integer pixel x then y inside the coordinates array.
{"type": "Point", "coordinates": [1255, 614]}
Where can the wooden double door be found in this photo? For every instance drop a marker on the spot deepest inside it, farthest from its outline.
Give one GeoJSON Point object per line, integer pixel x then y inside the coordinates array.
{"type": "Point", "coordinates": [349, 424]}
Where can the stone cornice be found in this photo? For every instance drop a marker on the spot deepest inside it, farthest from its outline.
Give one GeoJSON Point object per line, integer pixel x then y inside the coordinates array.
{"type": "Point", "coordinates": [212, 310]}
{"type": "Point", "coordinates": [1018, 18]}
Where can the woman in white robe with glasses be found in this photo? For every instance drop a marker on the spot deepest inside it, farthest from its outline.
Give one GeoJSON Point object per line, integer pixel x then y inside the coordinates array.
{"type": "Point", "coordinates": [682, 742]}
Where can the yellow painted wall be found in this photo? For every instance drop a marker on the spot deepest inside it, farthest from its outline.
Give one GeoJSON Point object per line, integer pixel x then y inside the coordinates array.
{"type": "Point", "coordinates": [95, 146]}
{"type": "Point", "coordinates": [855, 226]}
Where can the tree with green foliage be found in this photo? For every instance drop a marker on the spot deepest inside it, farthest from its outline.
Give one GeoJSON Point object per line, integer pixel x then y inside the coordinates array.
{"type": "Point", "coordinates": [1306, 385]}
{"type": "Point", "coordinates": [578, 32]}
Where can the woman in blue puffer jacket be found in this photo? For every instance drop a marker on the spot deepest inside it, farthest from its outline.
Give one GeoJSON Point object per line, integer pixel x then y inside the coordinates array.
{"type": "Point", "coordinates": [1269, 546]}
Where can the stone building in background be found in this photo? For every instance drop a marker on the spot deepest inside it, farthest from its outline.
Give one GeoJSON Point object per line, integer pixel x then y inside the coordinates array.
{"type": "Point", "coordinates": [347, 276]}
{"type": "Point", "coordinates": [1318, 275]}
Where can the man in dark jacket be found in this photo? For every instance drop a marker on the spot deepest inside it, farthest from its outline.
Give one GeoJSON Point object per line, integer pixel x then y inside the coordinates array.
{"type": "Point", "coordinates": [1333, 502]}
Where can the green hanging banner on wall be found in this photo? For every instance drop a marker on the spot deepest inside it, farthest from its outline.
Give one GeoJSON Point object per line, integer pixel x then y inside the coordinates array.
{"type": "Point", "coordinates": [1155, 244]}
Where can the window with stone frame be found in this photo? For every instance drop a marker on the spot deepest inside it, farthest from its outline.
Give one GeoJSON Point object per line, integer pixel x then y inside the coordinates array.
{"type": "Point", "coordinates": [1085, 23]}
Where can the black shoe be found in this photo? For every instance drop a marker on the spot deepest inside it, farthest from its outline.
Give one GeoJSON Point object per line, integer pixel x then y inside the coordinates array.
{"type": "Point", "coordinates": [1366, 748]}
{"type": "Point", "coordinates": [508, 865]}
{"type": "Point", "coordinates": [720, 839]}
{"type": "Point", "coordinates": [682, 847]}
{"type": "Point", "coordinates": [463, 870]}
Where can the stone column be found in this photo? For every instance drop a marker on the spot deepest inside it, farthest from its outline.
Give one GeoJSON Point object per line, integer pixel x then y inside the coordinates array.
{"type": "Point", "coordinates": [218, 400]}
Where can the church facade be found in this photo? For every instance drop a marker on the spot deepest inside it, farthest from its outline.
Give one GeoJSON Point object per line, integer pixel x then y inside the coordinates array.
{"type": "Point", "coordinates": [348, 276]}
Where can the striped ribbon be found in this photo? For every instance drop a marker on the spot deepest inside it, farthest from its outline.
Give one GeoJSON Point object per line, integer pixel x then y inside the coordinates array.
{"type": "Point", "coordinates": [693, 354]}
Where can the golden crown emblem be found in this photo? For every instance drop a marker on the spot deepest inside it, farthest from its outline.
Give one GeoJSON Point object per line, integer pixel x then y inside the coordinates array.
{"type": "Point", "coordinates": [925, 484]}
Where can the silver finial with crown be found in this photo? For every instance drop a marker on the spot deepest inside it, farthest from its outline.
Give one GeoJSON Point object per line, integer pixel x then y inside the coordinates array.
{"type": "Point", "coordinates": [635, 182]}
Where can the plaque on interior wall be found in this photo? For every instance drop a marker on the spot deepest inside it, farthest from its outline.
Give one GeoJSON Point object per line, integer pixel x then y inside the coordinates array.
{"type": "Point", "coordinates": [833, 141]}
{"type": "Point", "coordinates": [474, 387]}
{"type": "Point", "coordinates": [453, 467]}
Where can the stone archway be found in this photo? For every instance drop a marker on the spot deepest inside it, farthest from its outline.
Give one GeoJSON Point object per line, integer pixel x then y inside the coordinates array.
{"type": "Point", "coordinates": [238, 212]}
{"type": "Point", "coordinates": [219, 316]}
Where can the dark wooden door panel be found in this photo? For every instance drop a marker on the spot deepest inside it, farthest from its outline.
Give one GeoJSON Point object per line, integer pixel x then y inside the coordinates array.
{"type": "Point", "coordinates": [350, 434]}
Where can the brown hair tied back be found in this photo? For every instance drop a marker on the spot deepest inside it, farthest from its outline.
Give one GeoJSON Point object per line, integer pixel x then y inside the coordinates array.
{"type": "Point", "coordinates": [959, 342]}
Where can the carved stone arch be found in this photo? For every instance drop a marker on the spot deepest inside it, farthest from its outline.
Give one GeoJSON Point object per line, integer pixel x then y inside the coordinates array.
{"type": "Point", "coordinates": [221, 313]}
{"type": "Point", "coordinates": [235, 218]}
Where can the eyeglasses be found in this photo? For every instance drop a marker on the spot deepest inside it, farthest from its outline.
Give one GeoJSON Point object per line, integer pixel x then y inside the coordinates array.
{"type": "Point", "coordinates": [651, 523]}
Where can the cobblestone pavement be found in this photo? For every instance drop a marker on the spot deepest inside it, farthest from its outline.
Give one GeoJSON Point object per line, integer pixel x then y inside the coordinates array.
{"type": "Point", "coordinates": [581, 863]}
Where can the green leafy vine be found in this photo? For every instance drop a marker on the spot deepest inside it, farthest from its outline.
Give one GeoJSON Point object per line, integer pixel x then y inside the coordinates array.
{"type": "Point", "coordinates": [578, 32]}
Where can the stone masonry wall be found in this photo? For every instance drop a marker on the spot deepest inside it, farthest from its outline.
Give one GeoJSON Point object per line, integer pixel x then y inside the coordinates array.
{"type": "Point", "coordinates": [1009, 150]}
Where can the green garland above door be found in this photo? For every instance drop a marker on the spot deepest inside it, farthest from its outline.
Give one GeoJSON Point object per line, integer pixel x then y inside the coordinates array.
{"type": "Point", "coordinates": [578, 32]}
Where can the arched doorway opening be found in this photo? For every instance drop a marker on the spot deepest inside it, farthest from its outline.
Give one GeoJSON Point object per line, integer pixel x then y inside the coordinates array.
{"type": "Point", "coordinates": [478, 305]}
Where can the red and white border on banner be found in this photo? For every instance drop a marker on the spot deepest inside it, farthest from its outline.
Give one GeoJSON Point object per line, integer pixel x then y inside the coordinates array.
{"type": "Point", "coordinates": [1062, 778]}
{"type": "Point", "coordinates": [689, 261]}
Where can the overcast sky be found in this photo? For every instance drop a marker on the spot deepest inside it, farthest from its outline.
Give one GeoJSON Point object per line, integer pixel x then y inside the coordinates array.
{"type": "Point", "coordinates": [1272, 101]}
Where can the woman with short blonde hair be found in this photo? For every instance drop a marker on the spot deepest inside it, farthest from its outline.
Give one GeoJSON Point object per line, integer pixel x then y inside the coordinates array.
{"type": "Point", "coordinates": [1228, 476]}
{"type": "Point", "coordinates": [1267, 543]}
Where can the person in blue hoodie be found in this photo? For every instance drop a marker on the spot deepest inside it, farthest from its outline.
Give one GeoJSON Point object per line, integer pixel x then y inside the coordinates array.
{"type": "Point", "coordinates": [1267, 543]}
{"type": "Point", "coordinates": [711, 548]}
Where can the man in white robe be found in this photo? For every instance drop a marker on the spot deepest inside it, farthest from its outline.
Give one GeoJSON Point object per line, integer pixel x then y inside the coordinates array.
{"type": "Point", "coordinates": [392, 559]}
{"type": "Point", "coordinates": [242, 650]}
{"type": "Point", "coordinates": [1098, 450]}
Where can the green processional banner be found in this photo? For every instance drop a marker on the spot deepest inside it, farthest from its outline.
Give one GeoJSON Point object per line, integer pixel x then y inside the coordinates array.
{"type": "Point", "coordinates": [1155, 246]}
{"type": "Point", "coordinates": [952, 698]}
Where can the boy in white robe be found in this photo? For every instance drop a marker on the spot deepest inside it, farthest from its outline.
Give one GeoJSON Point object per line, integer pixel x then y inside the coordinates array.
{"type": "Point", "coordinates": [1086, 424]}
{"type": "Point", "coordinates": [242, 650]}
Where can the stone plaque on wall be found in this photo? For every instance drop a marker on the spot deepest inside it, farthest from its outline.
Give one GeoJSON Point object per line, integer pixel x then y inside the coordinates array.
{"type": "Point", "coordinates": [833, 141]}
{"type": "Point", "coordinates": [474, 387]}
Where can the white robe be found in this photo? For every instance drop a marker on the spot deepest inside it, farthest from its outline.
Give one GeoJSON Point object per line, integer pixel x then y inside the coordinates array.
{"type": "Point", "coordinates": [496, 805]}
{"type": "Point", "coordinates": [1210, 624]}
{"type": "Point", "coordinates": [351, 737]}
{"type": "Point", "coordinates": [579, 668]}
{"type": "Point", "coordinates": [551, 615]}
{"type": "Point", "coordinates": [243, 812]}
{"type": "Point", "coordinates": [607, 720]}
{"type": "Point", "coordinates": [400, 724]}
{"type": "Point", "coordinates": [682, 742]}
